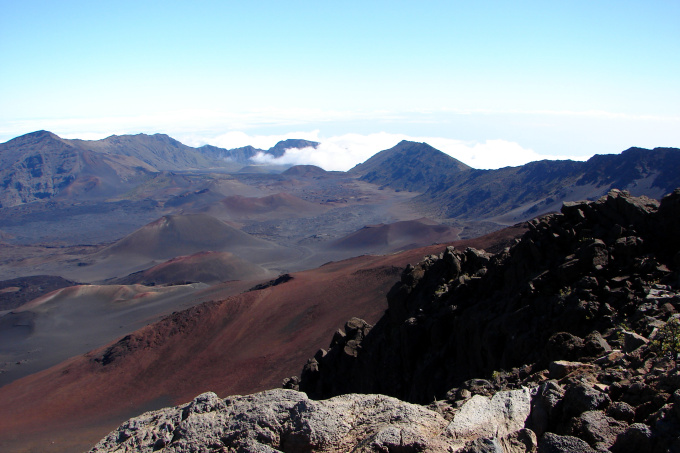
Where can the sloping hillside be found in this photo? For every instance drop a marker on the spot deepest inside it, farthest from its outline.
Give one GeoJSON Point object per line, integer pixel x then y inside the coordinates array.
{"type": "Point", "coordinates": [409, 166]}
{"type": "Point", "coordinates": [385, 238]}
{"type": "Point", "coordinates": [238, 344]}
{"type": "Point", "coordinates": [40, 165]}
{"type": "Point", "coordinates": [279, 205]}
{"type": "Point", "coordinates": [205, 267]}
{"type": "Point", "coordinates": [159, 151]}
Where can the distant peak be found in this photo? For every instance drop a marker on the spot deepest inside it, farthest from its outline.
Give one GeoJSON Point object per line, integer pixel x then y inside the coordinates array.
{"type": "Point", "coordinates": [296, 143]}
{"type": "Point", "coordinates": [280, 148]}
{"type": "Point", "coordinates": [42, 134]}
{"type": "Point", "coordinates": [36, 137]}
{"type": "Point", "coordinates": [140, 137]}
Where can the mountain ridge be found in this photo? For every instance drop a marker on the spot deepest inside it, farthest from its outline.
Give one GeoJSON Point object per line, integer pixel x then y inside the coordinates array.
{"type": "Point", "coordinates": [540, 187]}
{"type": "Point", "coordinates": [408, 166]}
{"type": "Point", "coordinates": [40, 165]}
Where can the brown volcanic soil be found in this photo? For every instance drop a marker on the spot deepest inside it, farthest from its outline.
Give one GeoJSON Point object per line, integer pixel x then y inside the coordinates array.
{"type": "Point", "coordinates": [18, 291]}
{"type": "Point", "coordinates": [205, 267]}
{"type": "Point", "coordinates": [237, 345]}
{"type": "Point", "coordinates": [172, 236]}
{"type": "Point", "coordinates": [73, 320]}
{"type": "Point", "coordinates": [280, 205]}
{"type": "Point", "coordinates": [403, 235]}
{"type": "Point", "coordinates": [176, 235]}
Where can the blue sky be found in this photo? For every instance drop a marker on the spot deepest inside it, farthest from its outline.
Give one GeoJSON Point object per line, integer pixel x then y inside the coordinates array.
{"type": "Point", "coordinates": [484, 80]}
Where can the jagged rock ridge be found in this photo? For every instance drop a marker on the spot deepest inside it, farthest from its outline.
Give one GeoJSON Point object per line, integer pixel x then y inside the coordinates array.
{"type": "Point", "coordinates": [582, 309]}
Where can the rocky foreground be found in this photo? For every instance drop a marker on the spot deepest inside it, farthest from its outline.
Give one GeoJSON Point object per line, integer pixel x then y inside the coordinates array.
{"type": "Point", "coordinates": [568, 341]}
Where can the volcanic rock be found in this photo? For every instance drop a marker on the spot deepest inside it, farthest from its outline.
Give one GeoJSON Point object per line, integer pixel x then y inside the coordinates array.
{"type": "Point", "coordinates": [580, 298]}
{"type": "Point", "coordinates": [552, 443]}
{"type": "Point", "coordinates": [282, 420]}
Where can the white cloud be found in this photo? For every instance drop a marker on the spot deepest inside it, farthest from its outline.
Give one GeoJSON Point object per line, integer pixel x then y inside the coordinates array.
{"type": "Point", "coordinates": [342, 152]}
{"type": "Point", "coordinates": [491, 154]}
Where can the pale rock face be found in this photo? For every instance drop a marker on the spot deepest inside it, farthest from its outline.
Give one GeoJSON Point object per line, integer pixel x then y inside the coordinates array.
{"type": "Point", "coordinates": [288, 421]}
{"type": "Point", "coordinates": [497, 417]}
{"type": "Point", "coordinates": [282, 420]}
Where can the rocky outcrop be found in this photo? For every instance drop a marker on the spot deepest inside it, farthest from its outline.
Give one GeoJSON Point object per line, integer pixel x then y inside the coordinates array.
{"type": "Point", "coordinates": [283, 420]}
{"type": "Point", "coordinates": [582, 310]}
{"type": "Point", "coordinates": [288, 421]}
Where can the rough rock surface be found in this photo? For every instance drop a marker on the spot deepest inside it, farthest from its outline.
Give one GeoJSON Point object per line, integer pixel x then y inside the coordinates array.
{"type": "Point", "coordinates": [583, 310]}
{"type": "Point", "coordinates": [283, 420]}
{"type": "Point", "coordinates": [503, 414]}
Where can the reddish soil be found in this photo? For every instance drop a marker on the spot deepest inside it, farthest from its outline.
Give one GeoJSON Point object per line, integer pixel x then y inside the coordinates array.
{"type": "Point", "coordinates": [175, 235]}
{"type": "Point", "coordinates": [397, 236]}
{"type": "Point", "coordinates": [237, 207]}
{"type": "Point", "coordinates": [238, 345]}
{"type": "Point", "coordinates": [206, 267]}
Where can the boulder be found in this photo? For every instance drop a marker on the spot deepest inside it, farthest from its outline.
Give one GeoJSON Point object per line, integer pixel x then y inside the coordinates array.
{"type": "Point", "coordinates": [597, 429]}
{"type": "Point", "coordinates": [622, 411]}
{"type": "Point", "coordinates": [561, 368]}
{"type": "Point", "coordinates": [482, 417]}
{"type": "Point", "coordinates": [632, 341]}
{"type": "Point", "coordinates": [564, 346]}
{"type": "Point", "coordinates": [545, 406]}
{"type": "Point", "coordinates": [553, 443]}
{"type": "Point", "coordinates": [282, 420]}
{"type": "Point", "coordinates": [636, 439]}
{"type": "Point", "coordinates": [581, 397]}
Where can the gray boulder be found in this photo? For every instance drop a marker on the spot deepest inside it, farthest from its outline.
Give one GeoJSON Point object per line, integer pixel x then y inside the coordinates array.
{"type": "Point", "coordinates": [553, 443]}
{"type": "Point", "coordinates": [597, 429]}
{"type": "Point", "coordinates": [581, 397]}
{"type": "Point", "coordinates": [637, 438]}
{"type": "Point", "coordinates": [497, 417]}
{"type": "Point", "coordinates": [282, 420]}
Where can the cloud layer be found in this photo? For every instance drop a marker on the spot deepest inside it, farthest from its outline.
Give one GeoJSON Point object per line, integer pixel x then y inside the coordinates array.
{"type": "Point", "coordinates": [480, 138]}
{"type": "Point", "coordinates": [342, 152]}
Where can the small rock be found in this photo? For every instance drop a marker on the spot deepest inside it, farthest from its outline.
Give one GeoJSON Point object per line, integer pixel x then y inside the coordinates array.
{"type": "Point", "coordinates": [479, 387]}
{"type": "Point", "coordinates": [632, 341]}
{"type": "Point", "coordinates": [562, 368]}
{"type": "Point", "coordinates": [544, 406]}
{"type": "Point", "coordinates": [597, 429]}
{"type": "Point", "coordinates": [482, 445]}
{"type": "Point", "coordinates": [522, 441]}
{"type": "Point", "coordinates": [621, 411]}
{"type": "Point", "coordinates": [464, 394]}
{"type": "Point", "coordinates": [636, 439]}
{"type": "Point", "coordinates": [610, 359]}
{"type": "Point", "coordinates": [553, 443]}
{"type": "Point", "coordinates": [580, 398]}
{"type": "Point", "coordinates": [564, 346]}
{"type": "Point", "coordinates": [595, 345]}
